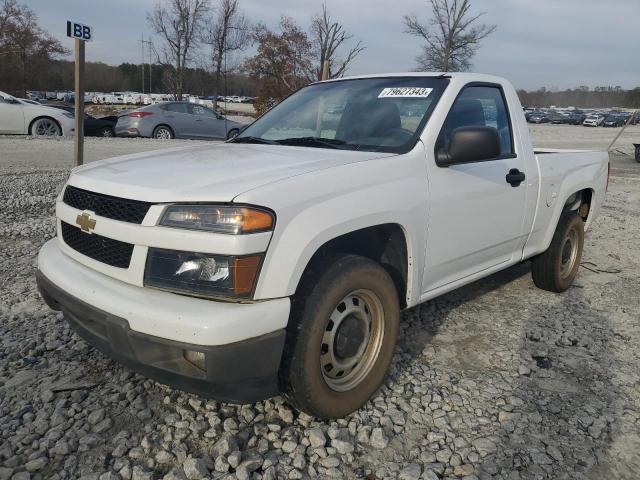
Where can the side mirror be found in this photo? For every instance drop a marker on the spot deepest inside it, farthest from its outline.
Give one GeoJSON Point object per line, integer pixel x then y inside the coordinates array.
{"type": "Point", "coordinates": [470, 144]}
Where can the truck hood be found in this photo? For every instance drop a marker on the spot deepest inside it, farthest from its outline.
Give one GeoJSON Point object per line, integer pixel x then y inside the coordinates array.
{"type": "Point", "coordinates": [206, 173]}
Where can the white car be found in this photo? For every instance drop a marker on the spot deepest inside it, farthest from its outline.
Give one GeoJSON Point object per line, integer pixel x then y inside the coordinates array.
{"type": "Point", "coordinates": [279, 261]}
{"type": "Point", "coordinates": [593, 121]}
{"type": "Point", "coordinates": [19, 117]}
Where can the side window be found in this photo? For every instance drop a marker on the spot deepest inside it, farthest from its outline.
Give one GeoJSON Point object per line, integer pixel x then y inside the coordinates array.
{"type": "Point", "coordinates": [479, 106]}
{"type": "Point", "coordinates": [201, 111]}
{"type": "Point", "coordinates": [176, 108]}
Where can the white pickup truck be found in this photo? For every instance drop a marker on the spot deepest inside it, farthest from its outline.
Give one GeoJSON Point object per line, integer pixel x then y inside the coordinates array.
{"type": "Point", "coordinates": [279, 262]}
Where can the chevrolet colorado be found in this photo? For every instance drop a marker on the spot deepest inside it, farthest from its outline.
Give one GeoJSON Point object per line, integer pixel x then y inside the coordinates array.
{"type": "Point", "coordinates": [279, 261]}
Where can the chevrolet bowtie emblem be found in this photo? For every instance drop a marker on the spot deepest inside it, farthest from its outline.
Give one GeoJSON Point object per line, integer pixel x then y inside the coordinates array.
{"type": "Point", "coordinates": [85, 222]}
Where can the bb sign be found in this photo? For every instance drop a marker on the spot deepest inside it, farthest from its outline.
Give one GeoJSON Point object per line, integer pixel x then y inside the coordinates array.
{"type": "Point", "coordinates": [79, 31]}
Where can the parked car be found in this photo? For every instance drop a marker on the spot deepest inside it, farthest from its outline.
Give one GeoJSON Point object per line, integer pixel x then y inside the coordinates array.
{"type": "Point", "coordinates": [176, 120]}
{"type": "Point", "coordinates": [95, 127]}
{"type": "Point", "coordinates": [557, 118]}
{"type": "Point", "coordinates": [25, 118]}
{"type": "Point", "coordinates": [613, 121]}
{"type": "Point", "coordinates": [593, 121]}
{"type": "Point", "coordinates": [539, 117]}
{"type": "Point", "coordinates": [576, 118]}
{"type": "Point", "coordinates": [280, 261]}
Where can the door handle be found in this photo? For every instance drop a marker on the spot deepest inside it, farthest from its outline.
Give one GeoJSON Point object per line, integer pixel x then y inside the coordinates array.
{"type": "Point", "coordinates": [515, 177]}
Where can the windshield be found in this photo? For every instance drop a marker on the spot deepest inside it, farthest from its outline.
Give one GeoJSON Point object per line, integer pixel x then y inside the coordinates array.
{"type": "Point", "coordinates": [372, 114]}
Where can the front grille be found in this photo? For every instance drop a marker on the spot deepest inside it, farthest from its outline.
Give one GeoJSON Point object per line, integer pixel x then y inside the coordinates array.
{"type": "Point", "coordinates": [132, 211]}
{"type": "Point", "coordinates": [103, 249]}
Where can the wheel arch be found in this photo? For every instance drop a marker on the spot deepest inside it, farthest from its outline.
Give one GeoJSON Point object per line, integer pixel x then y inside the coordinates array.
{"type": "Point", "coordinates": [386, 244]}
{"type": "Point", "coordinates": [153, 131]}
{"type": "Point", "coordinates": [40, 117]}
{"type": "Point", "coordinates": [581, 200]}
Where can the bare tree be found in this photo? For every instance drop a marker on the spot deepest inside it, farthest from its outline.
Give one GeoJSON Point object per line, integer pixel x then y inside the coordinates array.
{"type": "Point", "coordinates": [452, 37]}
{"type": "Point", "coordinates": [179, 26]}
{"type": "Point", "coordinates": [9, 10]}
{"type": "Point", "coordinates": [227, 33]}
{"type": "Point", "coordinates": [327, 37]}
{"type": "Point", "coordinates": [24, 46]}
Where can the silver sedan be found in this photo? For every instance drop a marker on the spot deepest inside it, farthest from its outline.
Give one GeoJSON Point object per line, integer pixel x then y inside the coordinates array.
{"type": "Point", "coordinates": [176, 120]}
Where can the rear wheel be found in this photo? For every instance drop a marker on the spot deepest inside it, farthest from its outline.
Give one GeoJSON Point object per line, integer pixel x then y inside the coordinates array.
{"type": "Point", "coordinates": [45, 127]}
{"type": "Point", "coordinates": [106, 132]}
{"type": "Point", "coordinates": [556, 269]}
{"type": "Point", "coordinates": [341, 336]}
{"type": "Point", "coordinates": [163, 132]}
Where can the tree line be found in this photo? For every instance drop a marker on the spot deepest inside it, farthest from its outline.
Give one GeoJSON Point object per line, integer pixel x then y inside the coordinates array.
{"type": "Point", "coordinates": [202, 47]}
{"type": "Point", "coordinates": [582, 97]}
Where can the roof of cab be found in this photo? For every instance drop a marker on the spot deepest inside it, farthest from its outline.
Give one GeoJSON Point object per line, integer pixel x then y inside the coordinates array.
{"type": "Point", "coordinates": [464, 76]}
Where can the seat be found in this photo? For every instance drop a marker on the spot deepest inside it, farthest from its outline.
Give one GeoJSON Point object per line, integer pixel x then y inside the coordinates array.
{"type": "Point", "coordinates": [368, 119]}
{"type": "Point", "coordinates": [466, 112]}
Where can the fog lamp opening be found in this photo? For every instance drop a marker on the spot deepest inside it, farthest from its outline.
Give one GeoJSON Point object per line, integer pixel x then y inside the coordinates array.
{"type": "Point", "coordinates": [197, 359]}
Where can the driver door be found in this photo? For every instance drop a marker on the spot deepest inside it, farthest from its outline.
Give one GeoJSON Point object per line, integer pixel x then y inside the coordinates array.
{"type": "Point", "coordinates": [475, 217]}
{"type": "Point", "coordinates": [207, 123]}
{"type": "Point", "coordinates": [11, 116]}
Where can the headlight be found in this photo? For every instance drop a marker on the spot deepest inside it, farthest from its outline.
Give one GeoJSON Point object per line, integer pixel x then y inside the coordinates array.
{"type": "Point", "coordinates": [202, 274]}
{"type": "Point", "coordinates": [68, 115]}
{"type": "Point", "coordinates": [218, 218]}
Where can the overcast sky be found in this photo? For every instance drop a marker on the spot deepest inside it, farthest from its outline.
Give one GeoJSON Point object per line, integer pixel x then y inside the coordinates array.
{"type": "Point", "coordinates": [552, 43]}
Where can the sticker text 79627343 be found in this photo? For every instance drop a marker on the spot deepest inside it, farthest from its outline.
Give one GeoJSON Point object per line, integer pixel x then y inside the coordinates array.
{"type": "Point", "coordinates": [405, 92]}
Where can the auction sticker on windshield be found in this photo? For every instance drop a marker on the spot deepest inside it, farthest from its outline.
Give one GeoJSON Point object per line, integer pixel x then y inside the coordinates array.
{"type": "Point", "coordinates": [405, 92]}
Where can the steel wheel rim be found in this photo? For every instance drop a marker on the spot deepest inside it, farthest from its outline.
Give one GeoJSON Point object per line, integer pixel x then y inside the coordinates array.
{"type": "Point", "coordinates": [46, 127]}
{"type": "Point", "coordinates": [107, 132]}
{"type": "Point", "coordinates": [344, 372]}
{"type": "Point", "coordinates": [163, 134]}
{"type": "Point", "coordinates": [569, 253]}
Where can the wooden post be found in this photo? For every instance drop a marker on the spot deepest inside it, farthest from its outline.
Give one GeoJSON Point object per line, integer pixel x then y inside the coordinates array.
{"type": "Point", "coordinates": [624, 127]}
{"type": "Point", "coordinates": [79, 103]}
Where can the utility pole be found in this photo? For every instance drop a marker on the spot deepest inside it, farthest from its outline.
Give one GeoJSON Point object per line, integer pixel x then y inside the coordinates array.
{"type": "Point", "coordinates": [142, 47]}
{"type": "Point", "coordinates": [150, 49]}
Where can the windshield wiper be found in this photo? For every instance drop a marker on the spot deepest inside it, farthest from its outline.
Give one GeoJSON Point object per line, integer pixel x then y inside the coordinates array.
{"type": "Point", "coordinates": [250, 139]}
{"type": "Point", "coordinates": [313, 142]}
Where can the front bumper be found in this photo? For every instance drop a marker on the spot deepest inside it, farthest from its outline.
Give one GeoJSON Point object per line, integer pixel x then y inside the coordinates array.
{"type": "Point", "coordinates": [242, 344]}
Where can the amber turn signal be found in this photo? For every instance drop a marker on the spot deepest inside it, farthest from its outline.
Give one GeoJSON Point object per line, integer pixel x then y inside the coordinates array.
{"type": "Point", "coordinates": [245, 271]}
{"type": "Point", "coordinates": [255, 220]}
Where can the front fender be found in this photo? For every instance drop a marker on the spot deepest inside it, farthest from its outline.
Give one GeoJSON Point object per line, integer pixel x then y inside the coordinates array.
{"type": "Point", "coordinates": [337, 201]}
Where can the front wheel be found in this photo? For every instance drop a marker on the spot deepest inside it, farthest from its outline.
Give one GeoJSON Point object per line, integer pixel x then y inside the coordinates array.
{"type": "Point", "coordinates": [46, 127]}
{"type": "Point", "coordinates": [233, 133]}
{"type": "Point", "coordinates": [556, 269]}
{"type": "Point", "coordinates": [341, 336]}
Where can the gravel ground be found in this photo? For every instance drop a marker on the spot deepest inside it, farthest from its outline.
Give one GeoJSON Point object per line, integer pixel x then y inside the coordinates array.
{"type": "Point", "coordinates": [495, 380]}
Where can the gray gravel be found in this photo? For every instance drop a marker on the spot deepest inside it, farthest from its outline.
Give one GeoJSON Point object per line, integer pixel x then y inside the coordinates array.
{"type": "Point", "coordinates": [495, 380]}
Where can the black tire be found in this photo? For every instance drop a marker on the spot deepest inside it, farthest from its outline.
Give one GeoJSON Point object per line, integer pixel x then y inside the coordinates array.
{"type": "Point", "coordinates": [163, 132]}
{"type": "Point", "coordinates": [324, 289]}
{"type": "Point", "coordinates": [556, 269]}
{"type": "Point", "coordinates": [45, 126]}
{"type": "Point", "coordinates": [232, 133]}
{"type": "Point", "coordinates": [106, 132]}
